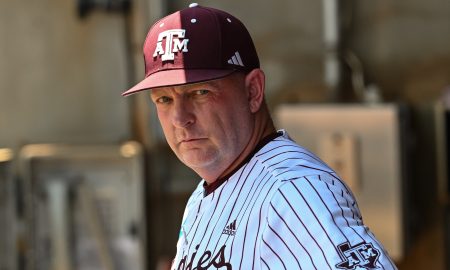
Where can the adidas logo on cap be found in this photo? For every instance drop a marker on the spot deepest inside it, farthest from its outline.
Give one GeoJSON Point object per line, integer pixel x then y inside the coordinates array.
{"type": "Point", "coordinates": [236, 60]}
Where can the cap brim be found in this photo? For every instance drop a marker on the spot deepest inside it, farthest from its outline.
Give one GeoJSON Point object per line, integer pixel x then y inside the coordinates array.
{"type": "Point", "coordinates": [177, 77]}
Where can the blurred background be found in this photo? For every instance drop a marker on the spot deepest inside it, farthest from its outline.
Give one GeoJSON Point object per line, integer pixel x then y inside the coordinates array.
{"type": "Point", "coordinates": [88, 182]}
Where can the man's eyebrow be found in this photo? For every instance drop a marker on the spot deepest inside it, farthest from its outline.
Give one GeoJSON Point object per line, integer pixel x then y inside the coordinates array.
{"type": "Point", "coordinates": [213, 83]}
{"type": "Point", "coordinates": [155, 91]}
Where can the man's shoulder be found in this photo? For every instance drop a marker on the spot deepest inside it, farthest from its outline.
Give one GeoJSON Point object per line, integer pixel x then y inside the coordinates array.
{"type": "Point", "coordinates": [285, 160]}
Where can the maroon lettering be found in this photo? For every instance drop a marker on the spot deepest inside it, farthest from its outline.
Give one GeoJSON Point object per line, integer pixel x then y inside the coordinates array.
{"type": "Point", "coordinates": [204, 258]}
{"type": "Point", "coordinates": [218, 260]}
{"type": "Point", "coordinates": [189, 266]}
{"type": "Point", "coordinates": [182, 263]}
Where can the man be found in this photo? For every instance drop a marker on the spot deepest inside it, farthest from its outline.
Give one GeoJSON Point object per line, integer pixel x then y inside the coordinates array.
{"type": "Point", "coordinates": [264, 201]}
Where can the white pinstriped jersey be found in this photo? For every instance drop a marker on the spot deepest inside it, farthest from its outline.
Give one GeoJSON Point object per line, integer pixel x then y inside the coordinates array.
{"type": "Point", "coordinates": [283, 209]}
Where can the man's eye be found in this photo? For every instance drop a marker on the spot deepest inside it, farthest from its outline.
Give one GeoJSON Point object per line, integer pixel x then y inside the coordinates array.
{"type": "Point", "coordinates": [201, 92]}
{"type": "Point", "coordinates": [163, 100]}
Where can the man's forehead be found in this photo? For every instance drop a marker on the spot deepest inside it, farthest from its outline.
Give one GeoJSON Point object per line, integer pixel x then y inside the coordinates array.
{"type": "Point", "coordinates": [185, 87]}
{"type": "Point", "coordinates": [216, 83]}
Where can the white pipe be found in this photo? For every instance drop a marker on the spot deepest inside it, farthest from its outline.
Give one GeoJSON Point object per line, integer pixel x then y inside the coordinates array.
{"type": "Point", "coordinates": [332, 69]}
{"type": "Point", "coordinates": [57, 193]}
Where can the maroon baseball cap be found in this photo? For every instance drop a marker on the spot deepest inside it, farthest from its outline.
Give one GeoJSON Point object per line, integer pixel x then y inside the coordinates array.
{"type": "Point", "coordinates": [194, 45]}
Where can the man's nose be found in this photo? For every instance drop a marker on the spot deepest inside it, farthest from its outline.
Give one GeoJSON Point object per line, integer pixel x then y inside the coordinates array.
{"type": "Point", "coordinates": [183, 115]}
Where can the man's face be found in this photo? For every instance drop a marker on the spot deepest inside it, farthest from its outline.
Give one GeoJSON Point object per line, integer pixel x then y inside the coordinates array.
{"type": "Point", "coordinates": [207, 124]}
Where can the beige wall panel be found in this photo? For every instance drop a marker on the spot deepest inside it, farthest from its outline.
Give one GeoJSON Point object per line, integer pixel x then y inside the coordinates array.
{"type": "Point", "coordinates": [60, 76]}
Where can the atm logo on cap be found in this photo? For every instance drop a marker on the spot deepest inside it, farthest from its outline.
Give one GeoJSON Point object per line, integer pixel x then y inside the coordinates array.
{"type": "Point", "coordinates": [175, 42]}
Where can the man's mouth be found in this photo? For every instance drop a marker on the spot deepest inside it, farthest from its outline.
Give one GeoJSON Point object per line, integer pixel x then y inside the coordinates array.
{"type": "Point", "coordinates": [191, 140]}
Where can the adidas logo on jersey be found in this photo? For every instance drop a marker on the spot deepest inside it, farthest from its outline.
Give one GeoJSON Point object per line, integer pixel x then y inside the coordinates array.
{"type": "Point", "coordinates": [230, 229]}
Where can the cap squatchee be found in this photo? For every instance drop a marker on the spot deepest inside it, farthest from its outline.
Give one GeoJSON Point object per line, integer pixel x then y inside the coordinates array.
{"type": "Point", "coordinates": [193, 45]}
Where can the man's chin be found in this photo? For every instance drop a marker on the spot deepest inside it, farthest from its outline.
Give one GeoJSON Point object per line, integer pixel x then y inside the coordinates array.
{"type": "Point", "coordinates": [198, 161]}
{"type": "Point", "coordinates": [196, 164]}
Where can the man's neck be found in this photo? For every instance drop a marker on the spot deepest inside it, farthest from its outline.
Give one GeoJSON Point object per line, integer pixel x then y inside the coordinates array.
{"type": "Point", "coordinates": [263, 128]}
{"type": "Point", "coordinates": [210, 187]}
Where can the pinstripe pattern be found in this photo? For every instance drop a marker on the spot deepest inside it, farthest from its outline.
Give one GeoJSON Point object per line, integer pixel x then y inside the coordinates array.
{"type": "Point", "coordinates": [284, 209]}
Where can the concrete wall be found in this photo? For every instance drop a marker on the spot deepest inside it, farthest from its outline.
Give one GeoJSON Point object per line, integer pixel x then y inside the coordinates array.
{"type": "Point", "coordinates": [60, 76]}
{"type": "Point", "coordinates": [405, 46]}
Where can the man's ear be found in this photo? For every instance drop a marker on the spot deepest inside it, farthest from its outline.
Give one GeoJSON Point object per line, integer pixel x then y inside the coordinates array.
{"type": "Point", "coordinates": [255, 84]}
